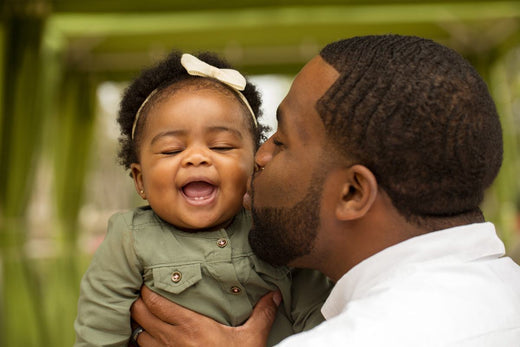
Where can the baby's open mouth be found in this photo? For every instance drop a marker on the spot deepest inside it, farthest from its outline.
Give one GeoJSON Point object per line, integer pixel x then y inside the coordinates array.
{"type": "Point", "coordinates": [199, 191]}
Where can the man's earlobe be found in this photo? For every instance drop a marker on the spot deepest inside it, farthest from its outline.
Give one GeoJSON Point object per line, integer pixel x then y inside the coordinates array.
{"type": "Point", "coordinates": [137, 175]}
{"type": "Point", "coordinates": [358, 193]}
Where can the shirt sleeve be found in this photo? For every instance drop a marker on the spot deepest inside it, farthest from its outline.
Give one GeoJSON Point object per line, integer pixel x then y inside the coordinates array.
{"type": "Point", "coordinates": [108, 289]}
{"type": "Point", "coordinates": [309, 291]}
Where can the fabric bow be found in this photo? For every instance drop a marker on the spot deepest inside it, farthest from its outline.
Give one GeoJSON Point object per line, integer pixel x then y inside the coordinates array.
{"type": "Point", "coordinates": [196, 67]}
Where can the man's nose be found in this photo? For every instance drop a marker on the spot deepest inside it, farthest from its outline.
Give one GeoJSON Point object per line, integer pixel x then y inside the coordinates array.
{"type": "Point", "coordinates": [265, 153]}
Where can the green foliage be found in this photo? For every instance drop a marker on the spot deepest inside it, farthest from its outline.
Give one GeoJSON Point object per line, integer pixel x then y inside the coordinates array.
{"type": "Point", "coordinates": [21, 124]}
{"type": "Point", "coordinates": [38, 296]}
{"type": "Point", "coordinates": [47, 109]}
{"type": "Point", "coordinates": [505, 87]}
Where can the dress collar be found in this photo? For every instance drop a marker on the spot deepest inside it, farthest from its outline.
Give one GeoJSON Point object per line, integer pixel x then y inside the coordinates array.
{"type": "Point", "coordinates": [461, 244]}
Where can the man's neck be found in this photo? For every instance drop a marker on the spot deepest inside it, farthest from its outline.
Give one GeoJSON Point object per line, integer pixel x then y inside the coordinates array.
{"type": "Point", "coordinates": [435, 223]}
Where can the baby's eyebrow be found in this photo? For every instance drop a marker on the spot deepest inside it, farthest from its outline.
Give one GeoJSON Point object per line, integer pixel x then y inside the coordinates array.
{"type": "Point", "coordinates": [180, 132]}
{"type": "Point", "coordinates": [168, 133]}
{"type": "Point", "coordinates": [218, 129]}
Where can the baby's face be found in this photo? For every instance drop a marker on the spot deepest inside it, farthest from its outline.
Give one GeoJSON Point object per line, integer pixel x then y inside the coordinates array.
{"type": "Point", "coordinates": [196, 156]}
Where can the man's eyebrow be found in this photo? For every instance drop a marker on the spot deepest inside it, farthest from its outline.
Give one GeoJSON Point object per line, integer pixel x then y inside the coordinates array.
{"type": "Point", "coordinates": [168, 133]}
{"type": "Point", "coordinates": [300, 131]}
{"type": "Point", "coordinates": [279, 117]}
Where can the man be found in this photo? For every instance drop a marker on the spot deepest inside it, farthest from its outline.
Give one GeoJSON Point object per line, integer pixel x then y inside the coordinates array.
{"type": "Point", "coordinates": [384, 147]}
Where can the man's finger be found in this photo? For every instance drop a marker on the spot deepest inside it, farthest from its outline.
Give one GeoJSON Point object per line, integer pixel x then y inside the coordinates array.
{"type": "Point", "coordinates": [146, 340]}
{"type": "Point", "coordinates": [264, 313]}
{"type": "Point", "coordinates": [166, 310]}
{"type": "Point", "coordinates": [190, 328]}
{"type": "Point", "coordinates": [147, 320]}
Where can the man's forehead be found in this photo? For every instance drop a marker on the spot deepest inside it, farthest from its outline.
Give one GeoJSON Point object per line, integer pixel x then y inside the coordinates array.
{"type": "Point", "coordinates": [320, 72]}
{"type": "Point", "coordinates": [311, 83]}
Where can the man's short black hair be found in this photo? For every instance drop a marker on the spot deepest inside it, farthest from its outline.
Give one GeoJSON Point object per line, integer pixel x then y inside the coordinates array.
{"type": "Point", "coordinates": [419, 117]}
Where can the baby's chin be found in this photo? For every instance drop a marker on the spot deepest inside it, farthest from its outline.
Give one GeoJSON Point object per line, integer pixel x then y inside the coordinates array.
{"type": "Point", "coordinates": [200, 227]}
{"type": "Point", "coordinates": [200, 220]}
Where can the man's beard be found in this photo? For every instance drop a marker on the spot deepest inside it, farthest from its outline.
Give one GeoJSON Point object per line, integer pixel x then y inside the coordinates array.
{"type": "Point", "coordinates": [280, 235]}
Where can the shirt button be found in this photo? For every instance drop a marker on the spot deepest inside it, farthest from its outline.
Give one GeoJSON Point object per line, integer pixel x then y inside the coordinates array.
{"type": "Point", "coordinates": [222, 243]}
{"type": "Point", "coordinates": [176, 276]}
{"type": "Point", "coordinates": [235, 290]}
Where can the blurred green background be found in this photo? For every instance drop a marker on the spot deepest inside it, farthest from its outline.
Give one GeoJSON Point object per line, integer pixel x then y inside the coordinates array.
{"type": "Point", "coordinates": [64, 64]}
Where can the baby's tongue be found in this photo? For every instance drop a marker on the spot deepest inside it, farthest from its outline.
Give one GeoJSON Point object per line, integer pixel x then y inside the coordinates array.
{"type": "Point", "coordinates": [198, 189]}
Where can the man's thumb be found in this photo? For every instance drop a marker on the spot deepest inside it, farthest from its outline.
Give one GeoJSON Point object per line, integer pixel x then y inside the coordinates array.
{"type": "Point", "coordinates": [264, 312]}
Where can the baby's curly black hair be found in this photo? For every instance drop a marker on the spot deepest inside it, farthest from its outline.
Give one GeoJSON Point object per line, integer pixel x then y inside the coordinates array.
{"type": "Point", "coordinates": [161, 76]}
{"type": "Point", "coordinates": [419, 117]}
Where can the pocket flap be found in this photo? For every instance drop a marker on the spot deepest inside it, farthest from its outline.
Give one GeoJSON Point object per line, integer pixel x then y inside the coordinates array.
{"type": "Point", "coordinates": [268, 270]}
{"type": "Point", "coordinates": [176, 278]}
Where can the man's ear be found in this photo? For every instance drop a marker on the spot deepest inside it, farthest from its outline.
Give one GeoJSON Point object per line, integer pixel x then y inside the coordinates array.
{"type": "Point", "coordinates": [137, 175]}
{"type": "Point", "coordinates": [358, 193]}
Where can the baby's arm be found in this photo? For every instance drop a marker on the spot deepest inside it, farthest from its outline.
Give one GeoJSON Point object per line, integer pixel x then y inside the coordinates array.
{"type": "Point", "coordinates": [108, 289]}
{"type": "Point", "coordinates": [309, 291]}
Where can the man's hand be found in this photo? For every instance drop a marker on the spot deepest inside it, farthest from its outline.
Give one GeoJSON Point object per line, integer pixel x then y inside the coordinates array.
{"type": "Point", "coordinates": [168, 324]}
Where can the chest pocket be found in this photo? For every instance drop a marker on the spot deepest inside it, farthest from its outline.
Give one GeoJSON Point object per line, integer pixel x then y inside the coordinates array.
{"type": "Point", "coordinates": [270, 272]}
{"type": "Point", "coordinates": [176, 278]}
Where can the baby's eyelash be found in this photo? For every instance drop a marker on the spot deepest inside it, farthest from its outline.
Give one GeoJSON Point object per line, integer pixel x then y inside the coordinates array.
{"type": "Point", "coordinates": [171, 152]}
{"type": "Point", "coordinates": [222, 148]}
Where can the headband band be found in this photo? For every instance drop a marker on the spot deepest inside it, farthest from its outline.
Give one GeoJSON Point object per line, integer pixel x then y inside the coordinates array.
{"type": "Point", "coordinates": [196, 67]}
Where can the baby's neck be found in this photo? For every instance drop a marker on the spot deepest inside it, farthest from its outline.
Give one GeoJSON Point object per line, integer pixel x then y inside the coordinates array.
{"type": "Point", "coordinates": [224, 225]}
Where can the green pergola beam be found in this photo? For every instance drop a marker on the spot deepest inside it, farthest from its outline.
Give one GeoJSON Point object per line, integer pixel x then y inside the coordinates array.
{"type": "Point", "coordinates": [84, 24]}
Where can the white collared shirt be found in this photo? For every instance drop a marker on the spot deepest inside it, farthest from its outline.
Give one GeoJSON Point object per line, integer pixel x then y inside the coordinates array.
{"type": "Point", "coordinates": [452, 287]}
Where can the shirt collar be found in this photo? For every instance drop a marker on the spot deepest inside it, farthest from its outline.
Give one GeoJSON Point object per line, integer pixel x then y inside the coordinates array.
{"type": "Point", "coordinates": [462, 244]}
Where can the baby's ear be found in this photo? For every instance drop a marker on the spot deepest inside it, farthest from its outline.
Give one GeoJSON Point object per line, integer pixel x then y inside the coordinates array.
{"type": "Point", "coordinates": [358, 193]}
{"type": "Point", "coordinates": [137, 175]}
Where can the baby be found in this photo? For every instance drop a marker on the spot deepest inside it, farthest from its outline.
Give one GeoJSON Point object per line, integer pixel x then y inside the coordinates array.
{"type": "Point", "coordinates": [189, 135]}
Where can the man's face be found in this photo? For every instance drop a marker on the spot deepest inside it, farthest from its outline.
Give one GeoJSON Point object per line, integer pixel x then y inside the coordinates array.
{"type": "Point", "coordinates": [286, 194]}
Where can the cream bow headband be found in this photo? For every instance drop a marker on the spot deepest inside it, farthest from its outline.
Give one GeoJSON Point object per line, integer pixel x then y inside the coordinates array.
{"type": "Point", "coordinates": [197, 67]}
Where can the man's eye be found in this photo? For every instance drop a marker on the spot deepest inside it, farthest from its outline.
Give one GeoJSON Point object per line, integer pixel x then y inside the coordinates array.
{"type": "Point", "coordinates": [277, 143]}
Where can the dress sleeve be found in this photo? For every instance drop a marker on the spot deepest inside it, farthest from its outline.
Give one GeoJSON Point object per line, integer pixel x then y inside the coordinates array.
{"type": "Point", "coordinates": [108, 289]}
{"type": "Point", "coordinates": [309, 290]}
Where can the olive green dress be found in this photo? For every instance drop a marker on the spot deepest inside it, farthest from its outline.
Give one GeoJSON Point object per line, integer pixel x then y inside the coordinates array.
{"type": "Point", "coordinates": [214, 273]}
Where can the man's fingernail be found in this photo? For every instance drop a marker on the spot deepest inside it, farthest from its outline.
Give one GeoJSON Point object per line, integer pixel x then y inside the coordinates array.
{"type": "Point", "coordinates": [277, 298]}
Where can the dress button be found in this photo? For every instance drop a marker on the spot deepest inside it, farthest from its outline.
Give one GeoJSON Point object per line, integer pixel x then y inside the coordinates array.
{"type": "Point", "coordinates": [235, 290]}
{"type": "Point", "coordinates": [176, 276]}
{"type": "Point", "coordinates": [222, 243]}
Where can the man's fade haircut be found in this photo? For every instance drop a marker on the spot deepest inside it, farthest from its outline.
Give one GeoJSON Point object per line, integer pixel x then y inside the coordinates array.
{"type": "Point", "coordinates": [419, 117]}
